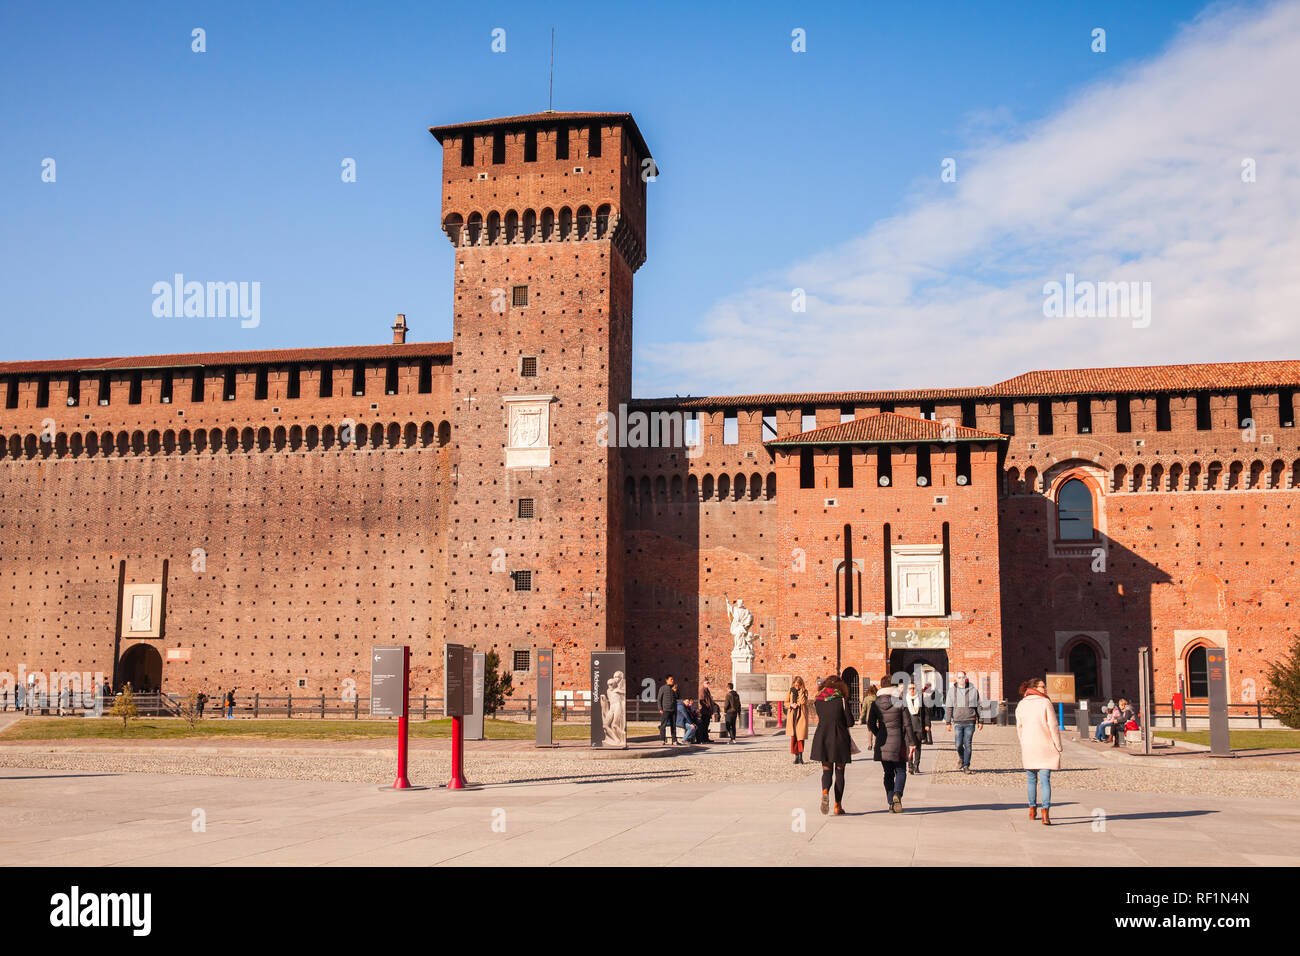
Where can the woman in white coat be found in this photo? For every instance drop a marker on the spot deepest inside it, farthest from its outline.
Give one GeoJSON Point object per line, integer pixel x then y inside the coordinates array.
{"type": "Point", "coordinates": [1040, 745]}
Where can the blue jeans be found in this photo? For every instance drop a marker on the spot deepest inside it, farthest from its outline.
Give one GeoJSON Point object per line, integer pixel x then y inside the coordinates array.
{"type": "Point", "coordinates": [962, 734]}
{"type": "Point", "coordinates": [895, 777]}
{"type": "Point", "coordinates": [1039, 780]}
{"type": "Point", "coordinates": [1101, 731]}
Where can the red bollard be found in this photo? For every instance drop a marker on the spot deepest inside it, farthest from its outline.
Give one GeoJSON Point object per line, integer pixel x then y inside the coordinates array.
{"type": "Point", "coordinates": [457, 781]}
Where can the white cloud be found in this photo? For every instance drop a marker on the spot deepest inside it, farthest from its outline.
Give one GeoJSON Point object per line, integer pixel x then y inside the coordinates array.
{"type": "Point", "coordinates": [1137, 179]}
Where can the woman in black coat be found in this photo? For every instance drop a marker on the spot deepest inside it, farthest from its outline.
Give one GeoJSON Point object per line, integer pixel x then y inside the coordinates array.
{"type": "Point", "coordinates": [832, 744]}
{"type": "Point", "coordinates": [896, 738]}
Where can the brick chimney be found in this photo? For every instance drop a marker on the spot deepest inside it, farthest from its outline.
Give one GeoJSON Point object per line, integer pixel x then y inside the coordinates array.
{"type": "Point", "coordinates": [399, 329]}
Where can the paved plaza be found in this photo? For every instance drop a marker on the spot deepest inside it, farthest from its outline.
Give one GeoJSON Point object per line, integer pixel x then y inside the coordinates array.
{"type": "Point", "coordinates": [725, 806]}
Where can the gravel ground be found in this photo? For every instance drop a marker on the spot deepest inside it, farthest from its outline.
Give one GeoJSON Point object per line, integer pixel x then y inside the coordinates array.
{"type": "Point", "coordinates": [762, 760]}
{"type": "Point", "coordinates": [996, 764]}
{"type": "Point", "coordinates": [756, 760]}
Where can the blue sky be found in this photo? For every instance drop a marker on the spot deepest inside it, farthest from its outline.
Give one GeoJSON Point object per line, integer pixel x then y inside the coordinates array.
{"type": "Point", "coordinates": [780, 170]}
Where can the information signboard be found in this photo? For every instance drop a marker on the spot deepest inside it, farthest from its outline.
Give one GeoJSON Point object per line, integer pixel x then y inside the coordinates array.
{"type": "Point", "coordinates": [778, 686]}
{"type": "Point", "coordinates": [1216, 670]}
{"type": "Point", "coordinates": [474, 716]}
{"type": "Point", "coordinates": [387, 681]}
{"type": "Point", "coordinates": [1060, 688]}
{"type": "Point", "coordinates": [545, 694]}
{"type": "Point", "coordinates": [609, 699]}
{"type": "Point", "coordinates": [752, 689]}
{"type": "Point", "coordinates": [457, 680]}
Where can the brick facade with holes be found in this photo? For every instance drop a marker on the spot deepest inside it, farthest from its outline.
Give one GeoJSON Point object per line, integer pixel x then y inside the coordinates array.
{"type": "Point", "coordinates": [475, 491]}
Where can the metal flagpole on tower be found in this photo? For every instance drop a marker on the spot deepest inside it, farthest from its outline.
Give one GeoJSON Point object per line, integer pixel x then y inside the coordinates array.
{"type": "Point", "coordinates": [550, 87]}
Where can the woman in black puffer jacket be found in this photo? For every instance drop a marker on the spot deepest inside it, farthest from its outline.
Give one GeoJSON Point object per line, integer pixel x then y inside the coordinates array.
{"type": "Point", "coordinates": [832, 744]}
{"type": "Point", "coordinates": [896, 738]}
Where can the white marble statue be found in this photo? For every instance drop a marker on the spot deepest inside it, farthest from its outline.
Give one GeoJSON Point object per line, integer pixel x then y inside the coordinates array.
{"type": "Point", "coordinates": [613, 711]}
{"type": "Point", "coordinates": [740, 619]}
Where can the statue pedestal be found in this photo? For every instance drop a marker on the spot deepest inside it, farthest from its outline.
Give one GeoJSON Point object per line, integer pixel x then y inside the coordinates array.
{"type": "Point", "coordinates": [742, 662]}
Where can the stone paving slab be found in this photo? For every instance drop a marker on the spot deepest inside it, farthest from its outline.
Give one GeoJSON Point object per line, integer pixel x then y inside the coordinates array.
{"type": "Point", "coordinates": [50, 817]}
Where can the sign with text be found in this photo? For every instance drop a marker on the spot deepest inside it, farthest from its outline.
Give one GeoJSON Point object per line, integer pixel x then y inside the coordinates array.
{"type": "Point", "coordinates": [609, 699]}
{"type": "Point", "coordinates": [778, 686]}
{"type": "Point", "coordinates": [919, 638]}
{"type": "Point", "coordinates": [474, 716]}
{"type": "Point", "coordinates": [457, 680]}
{"type": "Point", "coordinates": [752, 689]}
{"type": "Point", "coordinates": [1216, 670]}
{"type": "Point", "coordinates": [387, 681]}
{"type": "Point", "coordinates": [1060, 688]}
{"type": "Point", "coordinates": [545, 694]}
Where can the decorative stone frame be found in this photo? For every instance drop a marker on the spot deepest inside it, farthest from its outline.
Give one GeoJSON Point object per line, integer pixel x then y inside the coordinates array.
{"type": "Point", "coordinates": [1100, 641]}
{"type": "Point", "coordinates": [528, 443]}
{"type": "Point", "coordinates": [924, 562]}
{"type": "Point", "coordinates": [1094, 478]}
{"type": "Point", "coordinates": [152, 592]}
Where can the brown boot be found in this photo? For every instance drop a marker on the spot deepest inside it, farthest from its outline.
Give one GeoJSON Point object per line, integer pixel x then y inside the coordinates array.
{"type": "Point", "coordinates": [1033, 813]}
{"type": "Point", "coordinates": [1047, 821]}
{"type": "Point", "coordinates": [839, 810]}
{"type": "Point", "coordinates": [826, 801]}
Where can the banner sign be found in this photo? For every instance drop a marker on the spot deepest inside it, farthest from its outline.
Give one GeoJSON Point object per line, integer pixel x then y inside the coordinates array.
{"type": "Point", "coordinates": [457, 680]}
{"type": "Point", "coordinates": [609, 699]}
{"type": "Point", "coordinates": [919, 638]}
{"type": "Point", "coordinates": [1216, 669]}
{"type": "Point", "coordinates": [1060, 688]}
{"type": "Point", "coordinates": [545, 694]}
{"type": "Point", "coordinates": [474, 716]}
{"type": "Point", "coordinates": [752, 689]}
{"type": "Point", "coordinates": [387, 677]}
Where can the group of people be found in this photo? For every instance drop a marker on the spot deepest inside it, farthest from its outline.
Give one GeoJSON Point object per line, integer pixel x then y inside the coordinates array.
{"type": "Point", "coordinates": [899, 723]}
{"type": "Point", "coordinates": [1116, 720]}
{"type": "Point", "coordinates": [692, 716]}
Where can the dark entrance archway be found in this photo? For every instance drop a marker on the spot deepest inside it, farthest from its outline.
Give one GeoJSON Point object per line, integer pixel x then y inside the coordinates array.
{"type": "Point", "coordinates": [1082, 663]}
{"type": "Point", "coordinates": [925, 667]}
{"type": "Point", "coordinates": [141, 666]}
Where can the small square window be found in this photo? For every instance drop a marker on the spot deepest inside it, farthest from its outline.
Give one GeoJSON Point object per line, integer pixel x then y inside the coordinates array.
{"type": "Point", "coordinates": [302, 683]}
{"type": "Point", "coordinates": [523, 660]}
{"type": "Point", "coordinates": [519, 296]}
{"type": "Point", "coordinates": [528, 366]}
{"type": "Point", "coordinates": [525, 507]}
{"type": "Point", "coordinates": [523, 580]}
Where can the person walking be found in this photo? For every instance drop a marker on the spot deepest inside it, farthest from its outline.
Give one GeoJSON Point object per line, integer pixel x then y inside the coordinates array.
{"type": "Point", "coordinates": [895, 734]}
{"type": "Point", "coordinates": [796, 718]}
{"type": "Point", "coordinates": [668, 709]}
{"type": "Point", "coordinates": [200, 702]}
{"type": "Point", "coordinates": [230, 704]}
{"type": "Point", "coordinates": [915, 703]}
{"type": "Point", "coordinates": [867, 700]}
{"type": "Point", "coordinates": [1040, 745]}
{"type": "Point", "coordinates": [832, 744]}
{"type": "Point", "coordinates": [962, 714]}
{"type": "Point", "coordinates": [731, 709]}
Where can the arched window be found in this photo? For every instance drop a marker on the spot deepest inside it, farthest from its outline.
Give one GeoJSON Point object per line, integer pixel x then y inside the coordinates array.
{"type": "Point", "coordinates": [1198, 675]}
{"type": "Point", "coordinates": [1074, 512]}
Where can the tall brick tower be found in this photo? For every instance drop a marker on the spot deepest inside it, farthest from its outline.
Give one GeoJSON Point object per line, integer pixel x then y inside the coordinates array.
{"type": "Point", "coordinates": [547, 216]}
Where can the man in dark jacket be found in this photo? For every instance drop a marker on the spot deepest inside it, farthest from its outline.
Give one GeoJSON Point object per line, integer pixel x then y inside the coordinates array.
{"type": "Point", "coordinates": [731, 708]}
{"type": "Point", "coordinates": [962, 714]}
{"type": "Point", "coordinates": [894, 729]}
{"type": "Point", "coordinates": [668, 709]}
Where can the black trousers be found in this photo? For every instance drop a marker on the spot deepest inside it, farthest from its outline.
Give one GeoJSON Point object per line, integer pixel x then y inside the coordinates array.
{"type": "Point", "coordinates": [668, 720]}
{"type": "Point", "coordinates": [839, 780]}
{"type": "Point", "coordinates": [731, 725]}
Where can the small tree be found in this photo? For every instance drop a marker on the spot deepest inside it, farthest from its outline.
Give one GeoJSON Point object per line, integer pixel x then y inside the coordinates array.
{"type": "Point", "coordinates": [188, 707]}
{"type": "Point", "coordinates": [496, 687]}
{"type": "Point", "coordinates": [124, 706]}
{"type": "Point", "coordinates": [1284, 687]}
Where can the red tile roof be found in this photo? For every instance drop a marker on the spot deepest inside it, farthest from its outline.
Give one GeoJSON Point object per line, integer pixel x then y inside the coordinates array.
{"type": "Point", "coordinates": [1217, 376]}
{"type": "Point", "coordinates": [1152, 378]}
{"type": "Point", "coordinates": [885, 428]}
{"type": "Point", "coordinates": [342, 353]}
{"type": "Point", "coordinates": [546, 118]}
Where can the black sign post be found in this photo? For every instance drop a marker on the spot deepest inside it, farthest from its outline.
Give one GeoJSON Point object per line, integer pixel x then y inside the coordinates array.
{"type": "Point", "coordinates": [545, 695]}
{"type": "Point", "coordinates": [1216, 666]}
{"type": "Point", "coordinates": [457, 681]}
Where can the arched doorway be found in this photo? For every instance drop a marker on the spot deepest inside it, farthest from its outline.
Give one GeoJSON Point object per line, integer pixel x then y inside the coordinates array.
{"type": "Point", "coordinates": [141, 666]}
{"type": "Point", "coordinates": [1198, 674]}
{"type": "Point", "coordinates": [851, 678]}
{"type": "Point", "coordinates": [1083, 664]}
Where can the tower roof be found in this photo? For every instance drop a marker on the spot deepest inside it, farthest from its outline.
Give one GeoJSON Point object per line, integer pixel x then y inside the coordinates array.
{"type": "Point", "coordinates": [885, 428]}
{"type": "Point", "coordinates": [544, 118]}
